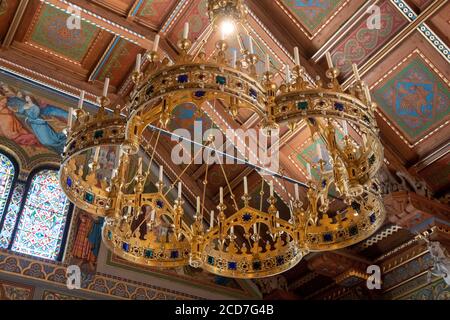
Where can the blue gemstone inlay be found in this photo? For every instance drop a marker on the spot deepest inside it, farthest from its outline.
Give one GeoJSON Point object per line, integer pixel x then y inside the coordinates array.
{"type": "Point", "coordinates": [280, 260]}
{"type": "Point", "coordinates": [256, 265]}
{"type": "Point", "coordinates": [247, 217]}
{"type": "Point", "coordinates": [232, 265]}
{"type": "Point", "coordinates": [328, 237]}
{"type": "Point", "coordinates": [69, 182]}
{"type": "Point", "coordinates": [89, 197]}
{"type": "Point", "coordinates": [210, 260]}
{"type": "Point", "coordinates": [125, 246]}
{"type": "Point", "coordinates": [159, 204]}
{"type": "Point", "coordinates": [109, 235]}
{"type": "Point", "coordinates": [148, 253]}
{"type": "Point", "coordinates": [373, 218]}
{"type": "Point", "coordinates": [253, 93]}
{"type": "Point", "coordinates": [199, 94]}
{"type": "Point", "coordinates": [183, 78]}
{"type": "Point", "coordinates": [339, 106]}
{"type": "Point", "coordinates": [174, 254]}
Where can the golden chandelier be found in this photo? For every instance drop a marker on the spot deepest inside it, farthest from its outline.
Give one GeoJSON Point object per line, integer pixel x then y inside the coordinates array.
{"type": "Point", "coordinates": [149, 227]}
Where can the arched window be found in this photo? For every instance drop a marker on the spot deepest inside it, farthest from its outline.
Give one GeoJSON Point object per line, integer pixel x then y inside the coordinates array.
{"type": "Point", "coordinates": [42, 222]}
{"type": "Point", "coordinates": [6, 181]}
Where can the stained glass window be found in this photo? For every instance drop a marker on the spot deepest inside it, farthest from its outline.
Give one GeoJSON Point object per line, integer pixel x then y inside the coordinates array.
{"type": "Point", "coordinates": [42, 222]}
{"type": "Point", "coordinates": [6, 179]}
{"type": "Point", "coordinates": [10, 219]}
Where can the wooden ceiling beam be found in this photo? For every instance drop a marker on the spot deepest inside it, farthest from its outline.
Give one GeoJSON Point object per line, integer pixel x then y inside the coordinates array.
{"type": "Point", "coordinates": [15, 23]}
{"type": "Point", "coordinates": [108, 21]}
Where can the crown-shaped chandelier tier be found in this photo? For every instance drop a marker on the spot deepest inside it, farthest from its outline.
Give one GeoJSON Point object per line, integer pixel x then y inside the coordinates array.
{"type": "Point", "coordinates": [87, 135]}
{"type": "Point", "coordinates": [349, 222]}
{"type": "Point", "coordinates": [148, 229]}
{"type": "Point", "coordinates": [195, 79]}
{"type": "Point", "coordinates": [267, 244]}
{"type": "Point", "coordinates": [83, 176]}
{"type": "Point", "coordinates": [328, 111]}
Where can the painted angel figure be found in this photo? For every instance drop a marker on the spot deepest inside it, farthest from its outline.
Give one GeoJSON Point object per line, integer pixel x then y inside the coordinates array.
{"type": "Point", "coordinates": [26, 107]}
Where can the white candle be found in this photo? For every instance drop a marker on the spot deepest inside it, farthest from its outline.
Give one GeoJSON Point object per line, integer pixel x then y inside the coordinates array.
{"type": "Point", "coordinates": [119, 155]}
{"type": "Point", "coordinates": [156, 43]}
{"type": "Point", "coordinates": [288, 74]}
{"type": "Point", "coordinates": [69, 118]}
{"type": "Point", "coordinates": [140, 166]}
{"type": "Point", "coordinates": [234, 58]}
{"type": "Point", "coordinates": [81, 101]}
{"type": "Point", "coordinates": [96, 154]}
{"type": "Point", "coordinates": [255, 228]}
{"type": "Point", "coordinates": [297, 194]}
{"type": "Point", "coordinates": [161, 172]}
{"type": "Point", "coordinates": [291, 212]}
{"type": "Point", "coordinates": [271, 188]}
{"type": "Point", "coordinates": [114, 173]}
{"type": "Point", "coordinates": [221, 194]}
{"type": "Point", "coordinates": [232, 230]}
{"type": "Point", "coordinates": [296, 56]}
{"type": "Point", "coordinates": [129, 211]}
{"type": "Point", "coordinates": [105, 87]}
{"type": "Point", "coordinates": [308, 170]}
{"type": "Point", "coordinates": [211, 219]}
{"type": "Point", "coordinates": [356, 72]}
{"type": "Point", "coordinates": [319, 151]}
{"type": "Point", "coordinates": [153, 215]}
{"type": "Point", "coordinates": [345, 128]}
{"type": "Point", "coordinates": [367, 93]}
{"type": "Point", "coordinates": [267, 63]}
{"type": "Point", "coordinates": [245, 186]}
{"type": "Point", "coordinates": [198, 204]}
{"type": "Point", "coordinates": [180, 186]}
{"type": "Point", "coordinates": [250, 45]}
{"type": "Point", "coordinates": [138, 62]}
{"type": "Point", "coordinates": [329, 60]}
{"type": "Point", "coordinates": [278, 217]}
{"type": "Point", "coordinates": [186, 30]}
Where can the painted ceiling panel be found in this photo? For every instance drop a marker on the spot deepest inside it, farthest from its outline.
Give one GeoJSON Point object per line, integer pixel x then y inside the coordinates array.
{"type": "Point", "coordinates": [196, 15]}
{"type": "Point", "coordinates": [153, 11]}
{"type": "Point", "coordinates": [361, 42]}
{"type": "Point", "coordinates": [51, 32]}
{"type": "Point", "coordinates": [312, 14]}
{"type": "Point", "coordinates": [415, 98]}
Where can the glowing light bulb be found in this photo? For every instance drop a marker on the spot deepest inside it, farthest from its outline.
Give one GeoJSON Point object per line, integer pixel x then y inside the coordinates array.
{"type": "Point", "coordinates": [227, 27]}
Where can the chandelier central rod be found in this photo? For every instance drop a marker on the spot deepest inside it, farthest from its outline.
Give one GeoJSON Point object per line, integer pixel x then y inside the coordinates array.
{"type": "Point", "coordinates": [239, 160]}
